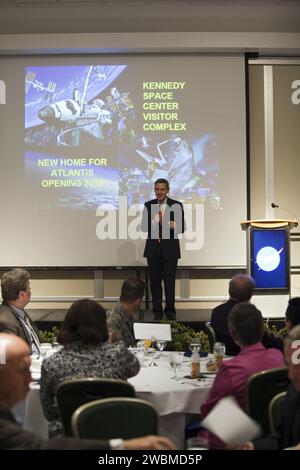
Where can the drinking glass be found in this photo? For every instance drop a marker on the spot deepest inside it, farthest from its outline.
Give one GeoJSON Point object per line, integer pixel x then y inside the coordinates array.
{"type": "Point", "coordinates": [45, 350]}
{"type": "Point", "coordinates": [219, 353]}
{"type": "Point", "coordinates": [197, 443]}
{"type": "Point", "coordinates": [175, 360]}
{"type": "Point", "coordinates": [147, 343]}
{"type": "Point", "coordinates": [153, 363]}
{"type": "Point", "coordinates": [161, 344]}
{"type": "Point", "coordinates": [140, 346]}
{"type": "Point", "coordinates": [56, 346]}
{"type": "Point", "coordinates": [195, 346]}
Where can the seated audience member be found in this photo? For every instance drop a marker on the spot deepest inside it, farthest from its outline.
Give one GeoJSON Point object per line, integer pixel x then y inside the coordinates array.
{"type": "Point", "coordinates": [246, 326]}
{"type": "Point", "coordinates": [15, 378]}
{"type": "Point", "coordinates": [120, 318]}
{"type": "Point", "coordinates": [86, 352]}
{"type": "Point", "coordinates": [288, 433]}
{"type": "Point", "coordinates": [292, 314]}
{"type": "Point", "coordinates": [240, 289]}
{"type": "Point", "coordinates": [16, 293]}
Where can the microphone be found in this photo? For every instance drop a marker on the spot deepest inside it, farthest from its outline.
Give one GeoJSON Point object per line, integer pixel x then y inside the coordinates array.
{"type": "Point", "coordinates": [288, 211]}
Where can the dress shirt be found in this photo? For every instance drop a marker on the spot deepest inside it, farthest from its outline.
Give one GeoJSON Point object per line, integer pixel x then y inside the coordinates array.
{"type": "Point", "coordinates": [23, 317]}
{"type": "Point", "coordinates": [233, 375]}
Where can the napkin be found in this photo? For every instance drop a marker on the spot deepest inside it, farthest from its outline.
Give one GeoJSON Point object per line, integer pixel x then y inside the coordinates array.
{"type": "Point", "coordinates": [229, 422]}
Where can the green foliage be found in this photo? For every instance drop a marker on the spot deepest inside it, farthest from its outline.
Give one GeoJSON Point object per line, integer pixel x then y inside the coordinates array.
{"type": "Point", "coordinates": [49, 336]}
{"type": "Point", "coordinates": [183, 335]}
{"type": "Point", "coordinates": [281, 332]}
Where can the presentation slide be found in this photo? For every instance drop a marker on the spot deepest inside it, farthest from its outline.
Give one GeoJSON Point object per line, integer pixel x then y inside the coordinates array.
{"type": "Point", "coordinates": [86, 138]}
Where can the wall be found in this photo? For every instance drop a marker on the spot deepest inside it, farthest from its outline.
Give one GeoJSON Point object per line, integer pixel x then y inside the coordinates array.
{"type": "Point", "coordinates": [202, 289]}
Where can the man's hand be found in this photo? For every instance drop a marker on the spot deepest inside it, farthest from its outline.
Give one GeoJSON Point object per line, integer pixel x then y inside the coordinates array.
{"type": "Point", "coordinates": [172, 225]}
{"type": "Point", "coordinates": [297, 447]}
{"type": "Point", "coordinates": [246, 446]}
{"type": "Point", "coordinates": [149, 443]}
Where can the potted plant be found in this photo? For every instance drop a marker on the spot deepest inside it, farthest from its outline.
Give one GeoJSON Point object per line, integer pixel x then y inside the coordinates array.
{"type": "Point", "coordinates": [49, 336]}
{"type": "Point", "coordinates": [182, 336]}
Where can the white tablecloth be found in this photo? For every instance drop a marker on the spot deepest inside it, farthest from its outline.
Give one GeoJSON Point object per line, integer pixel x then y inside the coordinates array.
{"type": "Point", "coordinates": [35, 420]}
{"type": "Point", "coordinates": [29, 413]}
{"type": "Point", "coordinates": [174, 401]}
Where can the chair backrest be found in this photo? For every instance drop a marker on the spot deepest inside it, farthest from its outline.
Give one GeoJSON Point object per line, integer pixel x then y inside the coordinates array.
{"type": "Point", "coordinates": [260, 389]}
{"type": "Point", "coordinates": [111, 418]}
{"type": "Point", "coordinates": [276, 410]}
{"type": "Point", "coordinates": [212, 337]}
{"type": "Point", "coordinates": [71, 394]}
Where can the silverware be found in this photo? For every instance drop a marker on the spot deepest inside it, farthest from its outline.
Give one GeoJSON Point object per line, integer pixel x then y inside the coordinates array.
{"type": "Point", "coordinates": [188, 383]}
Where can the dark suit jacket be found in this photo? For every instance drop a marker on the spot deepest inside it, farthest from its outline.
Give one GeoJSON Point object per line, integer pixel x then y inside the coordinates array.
{"type": "Point", "coordinates": [289, 430]}
{"type": "Point", "coordinates": [12, 437]}
{"type": "Point", "coordinates": [169, 244]}
{"type": "Point", "coordinates": [219, 319]}
{"type": "Point", "coordinates": [10, 323]}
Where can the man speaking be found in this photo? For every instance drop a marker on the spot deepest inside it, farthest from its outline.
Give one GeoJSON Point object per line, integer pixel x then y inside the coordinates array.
{"type": "Point", "coordinates": [163, 220]}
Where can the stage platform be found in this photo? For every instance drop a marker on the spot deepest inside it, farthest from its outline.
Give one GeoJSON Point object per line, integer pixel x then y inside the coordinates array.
{"type": "Point", "coordinates": [46, 319]}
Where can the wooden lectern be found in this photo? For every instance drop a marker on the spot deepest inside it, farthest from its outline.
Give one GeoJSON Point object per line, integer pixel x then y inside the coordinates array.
{"type": "Point", "coordinates": [269, 223]}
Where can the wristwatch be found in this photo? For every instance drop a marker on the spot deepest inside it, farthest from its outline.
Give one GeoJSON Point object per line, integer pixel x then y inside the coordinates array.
{"type": "Point", "coordinates": [116, 444]}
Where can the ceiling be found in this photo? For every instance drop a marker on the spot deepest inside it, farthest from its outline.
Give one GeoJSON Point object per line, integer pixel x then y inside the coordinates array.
{"type": "Point", "coordinates": [88, 16]}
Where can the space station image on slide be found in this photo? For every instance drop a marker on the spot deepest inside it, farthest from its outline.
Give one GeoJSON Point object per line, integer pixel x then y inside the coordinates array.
{"type": "Point", "coordinates": [89, 114]}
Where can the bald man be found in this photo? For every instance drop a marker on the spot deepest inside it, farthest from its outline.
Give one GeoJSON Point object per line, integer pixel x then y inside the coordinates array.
{"type": "Point", "coordinates": [15, 378]}
{"type": "Point", "coordinates": [240, 289]}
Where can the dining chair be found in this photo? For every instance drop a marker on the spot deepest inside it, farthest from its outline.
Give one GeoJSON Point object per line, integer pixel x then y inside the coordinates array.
{"type": "Point", "coordinates": [212, 337]}
{"type": "Point", "coordinates": [111, 418]}
{"type": "Point", "coordinates": [260, 389]}
{"type": "Point", "coordinates": [276, 410]}
{"type": "Point", "coordinates": [73, 393]}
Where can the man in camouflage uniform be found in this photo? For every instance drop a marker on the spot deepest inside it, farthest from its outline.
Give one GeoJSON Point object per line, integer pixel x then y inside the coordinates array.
{"type": "Point", "coordinates": [121, 317]}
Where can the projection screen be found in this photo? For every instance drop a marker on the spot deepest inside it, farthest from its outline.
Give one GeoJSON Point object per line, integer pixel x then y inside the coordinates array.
{"type": "Point", "coordinates": [83, 139]}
